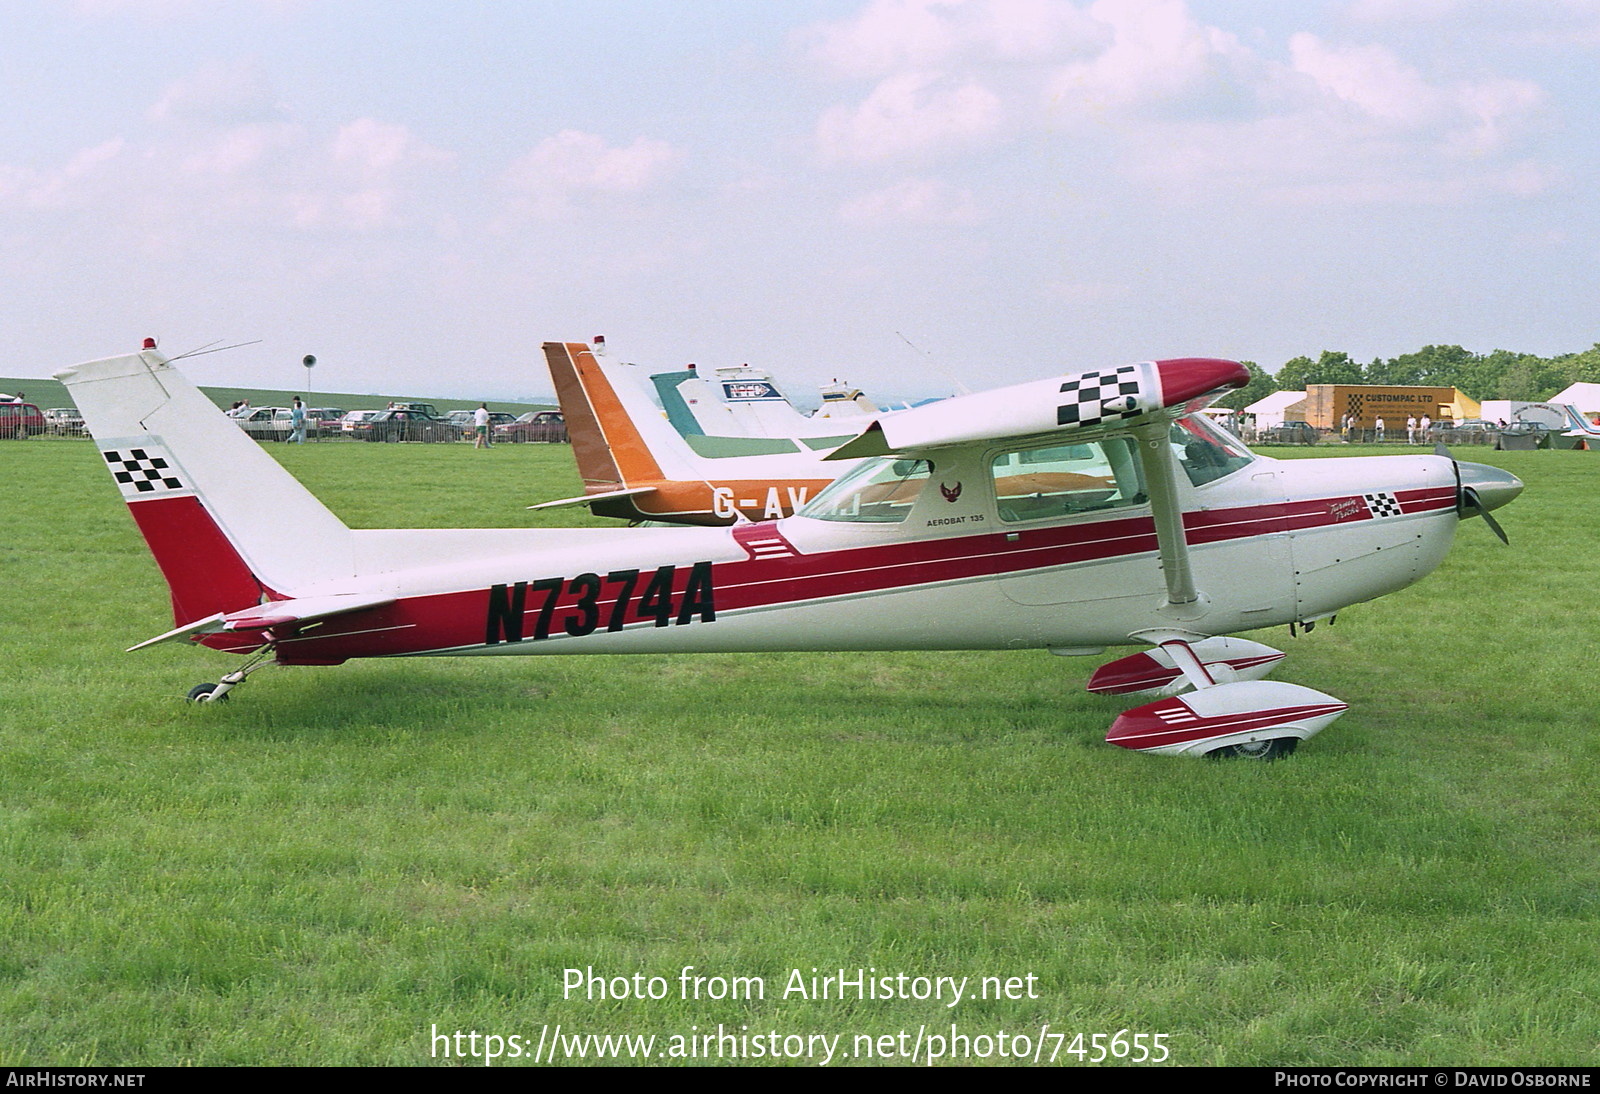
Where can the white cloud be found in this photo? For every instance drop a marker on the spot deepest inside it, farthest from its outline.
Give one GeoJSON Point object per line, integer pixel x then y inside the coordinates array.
{"type": "Point", "coordinates": [1144, 88]}
{"type": "Point", "coordinates": [374, 171]}
{"type": "Point", "coordinates": [219, 93]}
{"type": "Point", "coordinates": [379, 150]}
{"type": "Point", "coordinates": [572, 165]}
{"type": "Point", "coordinates": [1161, 61]}
{"type": "Point", "coordinates": [1370, 80]}
{"type": "Point", "coordinates": [1474, 118]}
{"type": "Point", "coordinates": [242, 152]}
{"type": "Point", "coordinates": [86, 178]}
{"type": "Point", "coordinates": [890, 36]}
{"type": "Point", "coordinates": [908, 113]}
{"type": "Point", "coordinates": [913, 201]}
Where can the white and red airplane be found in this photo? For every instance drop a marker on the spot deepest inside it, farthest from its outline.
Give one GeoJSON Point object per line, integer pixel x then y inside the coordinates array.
{"type": "Point", "coordinates": [1095, 509]}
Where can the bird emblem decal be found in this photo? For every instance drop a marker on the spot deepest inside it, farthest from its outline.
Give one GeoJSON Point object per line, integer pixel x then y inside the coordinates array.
{"type": "Point", "coordinates": [951, 493]}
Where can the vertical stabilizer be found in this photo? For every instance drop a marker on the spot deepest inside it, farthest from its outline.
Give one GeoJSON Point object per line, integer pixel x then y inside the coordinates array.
{"type": "Point", "coordinates": [226, 523]}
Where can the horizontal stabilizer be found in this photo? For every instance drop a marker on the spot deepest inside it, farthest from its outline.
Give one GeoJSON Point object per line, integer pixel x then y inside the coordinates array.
{"type": "Point", "coordinates": [585, 499]}
{"type": "Point", "coordinates": [209, 625]}
{"type": "Point", "coordinates": [1078, 404]}
{"type": "Point", "coordinates": [275, 613]}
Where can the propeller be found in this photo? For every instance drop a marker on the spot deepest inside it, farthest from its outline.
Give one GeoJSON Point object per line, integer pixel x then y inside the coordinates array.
{"type": "Point", "coordinates": [1469, 502]}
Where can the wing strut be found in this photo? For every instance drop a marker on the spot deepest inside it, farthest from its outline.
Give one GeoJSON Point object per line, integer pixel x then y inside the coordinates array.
{"type": "Point", "coordinates": [1161, 482]}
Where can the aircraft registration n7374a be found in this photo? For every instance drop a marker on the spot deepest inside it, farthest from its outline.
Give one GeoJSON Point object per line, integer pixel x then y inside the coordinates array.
{"type": "Point", "coordinates": [1090, 510]}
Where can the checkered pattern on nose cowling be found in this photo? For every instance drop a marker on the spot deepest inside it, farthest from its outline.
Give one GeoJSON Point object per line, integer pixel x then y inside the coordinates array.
{"type": "Point", "coordinates": [141, 472]}
{"type": "Point", "coordinates": [1383, 505]}
{"type": "Point", "coordinates": [1086, 395]}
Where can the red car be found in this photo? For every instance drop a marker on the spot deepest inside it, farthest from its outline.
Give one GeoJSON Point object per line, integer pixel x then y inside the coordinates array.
{"type": "Point", "coordinates": [536, 425]}
{"type": "Point", "coordinates": [20, 421]}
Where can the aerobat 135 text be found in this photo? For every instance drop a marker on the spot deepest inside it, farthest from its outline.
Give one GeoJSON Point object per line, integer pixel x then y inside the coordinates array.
{"type": "Point", "coordinates": [1091, 510]}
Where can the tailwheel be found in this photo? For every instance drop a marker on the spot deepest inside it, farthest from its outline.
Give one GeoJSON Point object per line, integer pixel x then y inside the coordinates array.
{"type": "Point", "coordinates": [218, 692]}
{"type": "Point", "coordinates": [1273, 749]}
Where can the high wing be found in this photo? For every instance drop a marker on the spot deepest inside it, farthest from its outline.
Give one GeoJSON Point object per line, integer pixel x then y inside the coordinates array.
{"type": "Point", "coordinates": [1144, 399]}
{"type": "Point", "coordinates": [1082, 406]}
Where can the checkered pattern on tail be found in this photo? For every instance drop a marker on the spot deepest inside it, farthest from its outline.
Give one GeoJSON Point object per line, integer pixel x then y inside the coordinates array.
{"type": "Point", "coordinates": [1383, 505]}
{"type": "Point", "coordinates": [138, 472]}
{"type": "Point", "coordinates": [1086, 394]}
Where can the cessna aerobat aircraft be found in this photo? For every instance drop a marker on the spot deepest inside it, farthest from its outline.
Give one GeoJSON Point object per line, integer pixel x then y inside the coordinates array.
{"type": "Point", "coordinates": [1094, 509]}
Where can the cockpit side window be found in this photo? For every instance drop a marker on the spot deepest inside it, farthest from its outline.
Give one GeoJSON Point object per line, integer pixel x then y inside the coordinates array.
{"type": "Point", "coordinates": [880, 491]}
{"type": "Point", "coordinates": [1061, 480]}
{"type": "Point", "coordinates": [1206, 452]}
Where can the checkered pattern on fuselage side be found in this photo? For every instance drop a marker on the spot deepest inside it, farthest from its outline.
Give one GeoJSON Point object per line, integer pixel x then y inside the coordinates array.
{"type": "Point", "coordinates": [1383, 505]}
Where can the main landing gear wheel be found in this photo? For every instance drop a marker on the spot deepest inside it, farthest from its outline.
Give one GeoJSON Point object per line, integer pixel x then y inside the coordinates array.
{"type": "Point", "coordinates": [201, 693]}
{"type": "Point", "coordinates": [1272, 749]}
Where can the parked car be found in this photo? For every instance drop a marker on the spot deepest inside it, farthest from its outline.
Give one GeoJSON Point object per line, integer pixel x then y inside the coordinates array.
{"type": "Point", "coordinates": [1470, 431]}
{"type": "Point", "coordinates": [465, 418]}
{"type": "Point", "coordinates": [265, 423]}
{"type": "Point", "coordinates": [404, 425]}
{"type": "Point", "coordinates": [1291, 433]}
{"type": "Point", "coordinates": [535, 425]}
{"type": "Point", "coordinates": [347, 424]}
{"type": "Point", "coordinates": [422, 408]}
{"type": "Point", "coordinates": [64, 421]}
{"type": "Point", "coordinates": [324, 419]}
{"type": "Point", "coordinates": [20, 421]}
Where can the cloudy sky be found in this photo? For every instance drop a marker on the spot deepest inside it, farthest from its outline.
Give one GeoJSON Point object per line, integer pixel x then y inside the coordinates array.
{"type": "Point", "coordinates": [903, 192]}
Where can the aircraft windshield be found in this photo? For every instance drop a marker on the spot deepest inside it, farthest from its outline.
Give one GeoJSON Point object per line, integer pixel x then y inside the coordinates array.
{"type": "Point", "coordinates": [1206, 452]}
{"type": "Point", "coordinates": [880, 491]}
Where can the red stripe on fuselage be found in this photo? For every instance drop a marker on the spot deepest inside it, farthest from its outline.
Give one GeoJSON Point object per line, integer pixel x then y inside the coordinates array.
{"type": "Point", "coordinates": [456, 620]}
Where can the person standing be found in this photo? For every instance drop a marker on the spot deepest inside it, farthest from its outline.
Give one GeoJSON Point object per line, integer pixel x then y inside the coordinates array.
{"type": "Point", "coordinates": [1378, 428]}
{"type": "Point", "coordinates": [1427, 428]}
{"type": "Point", "coordinates": [297, 422]}
{"type": "Point", "coordinates": [480, 426]}
{"type": "Point", "coordinates": [1411, 429]}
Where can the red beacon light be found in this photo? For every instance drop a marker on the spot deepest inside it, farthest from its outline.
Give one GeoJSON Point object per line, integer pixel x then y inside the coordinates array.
{"type": "Point", "coordinates": [149, 343]}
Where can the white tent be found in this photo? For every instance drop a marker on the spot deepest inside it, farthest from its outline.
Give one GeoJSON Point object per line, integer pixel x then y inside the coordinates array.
{"type": "Point", "coordinates": [1271, 411]}
{"type": "Point", "coordinates": [1586, 397]}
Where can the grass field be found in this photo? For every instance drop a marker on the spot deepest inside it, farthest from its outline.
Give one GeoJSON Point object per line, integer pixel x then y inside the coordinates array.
{"type": "Point", "coordinates": [341, 861]}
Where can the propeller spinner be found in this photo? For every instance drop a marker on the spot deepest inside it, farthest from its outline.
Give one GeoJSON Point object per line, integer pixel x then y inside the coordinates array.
{"type": "Point", "coordinates": [1480, 488]}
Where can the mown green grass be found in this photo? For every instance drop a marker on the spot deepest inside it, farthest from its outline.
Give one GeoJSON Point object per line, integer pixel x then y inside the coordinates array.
{"type": "Point", "coordinates": [323, 869]}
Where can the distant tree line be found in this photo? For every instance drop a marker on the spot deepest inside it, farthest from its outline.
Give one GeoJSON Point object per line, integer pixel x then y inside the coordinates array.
{"type": "Point", "coordinates": [1501, 374]}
